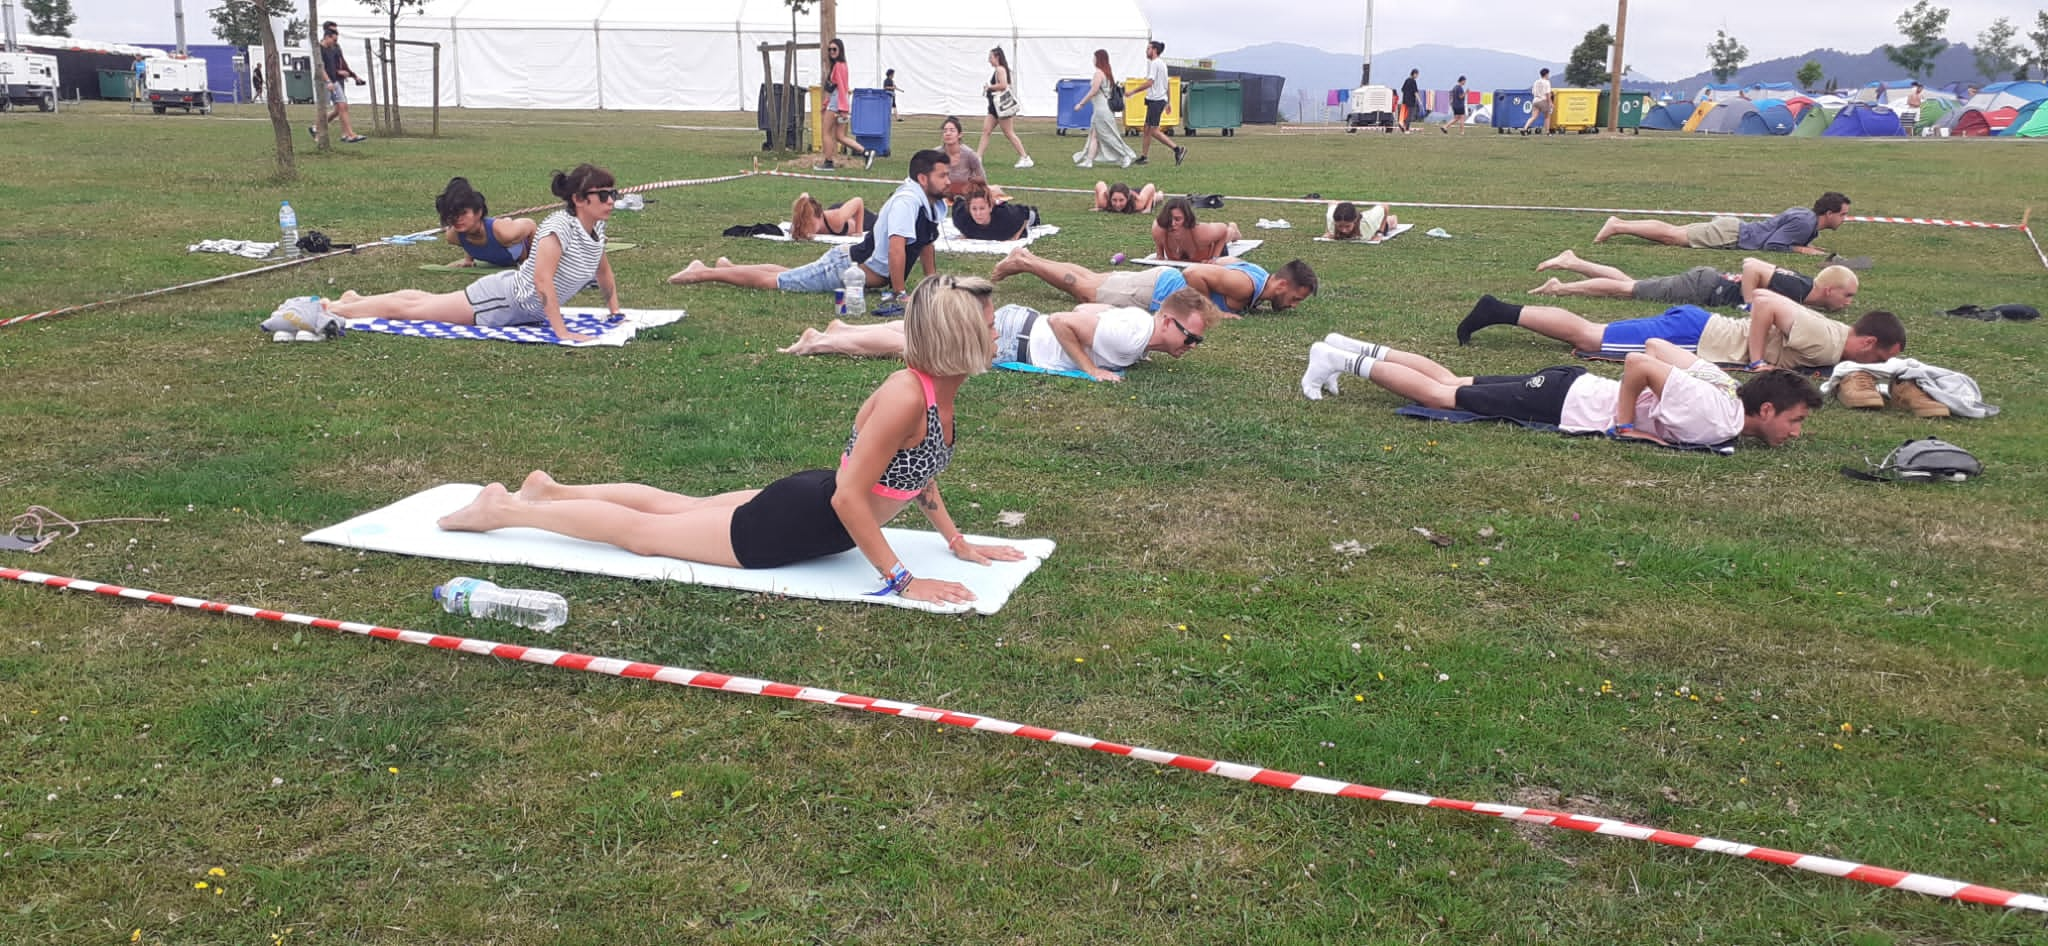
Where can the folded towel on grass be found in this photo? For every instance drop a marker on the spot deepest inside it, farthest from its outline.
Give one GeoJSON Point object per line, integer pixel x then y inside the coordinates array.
{"type": "Point", "coordinates": [1375, 241]}
{"type": "Point", "coordinates": [610, 330]}
{"type": "Point", "coordinates": [1237, 248]}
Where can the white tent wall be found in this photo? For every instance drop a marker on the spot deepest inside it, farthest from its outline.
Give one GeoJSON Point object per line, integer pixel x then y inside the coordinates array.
{"type": "Point", "coordinates": [679, 55]}
{"type": "Point", "coordinates": [530, 54]}
{"type": "Point", "coordinates": [434, 23]}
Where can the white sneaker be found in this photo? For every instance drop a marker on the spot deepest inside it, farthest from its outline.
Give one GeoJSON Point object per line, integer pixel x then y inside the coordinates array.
{"type": "Point", "coordinates": [1124, 163]}
{"type": "Point", "coordinates": [1325, 364]}
{"type": "Point", "coordinates": [1083, 164]}
{"type": "Point", "coordinates": [1025, 162]}
{"type": "Point", "coordinates": [281, 335]}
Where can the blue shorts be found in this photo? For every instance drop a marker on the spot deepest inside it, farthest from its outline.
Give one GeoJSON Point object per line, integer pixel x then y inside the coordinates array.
{"type": "Point", "coordinates": [827, 273]}
{"type": "Point", "coordinates": [1680, 325]}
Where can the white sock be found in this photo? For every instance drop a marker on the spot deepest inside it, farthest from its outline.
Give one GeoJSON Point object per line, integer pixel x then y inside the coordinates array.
{"type": "Point", "coordinates": [1356, 347]}
{"type": "Point", "coordinates": [1327, 362]}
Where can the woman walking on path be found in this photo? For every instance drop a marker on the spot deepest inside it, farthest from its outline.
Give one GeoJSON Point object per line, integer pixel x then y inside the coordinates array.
{"type": "Point", "coordinates": [1105, 134]}
{"type": "Point", "coordinates": [838, 114]}
{"type": "Point", "coordinates": [999, 87]}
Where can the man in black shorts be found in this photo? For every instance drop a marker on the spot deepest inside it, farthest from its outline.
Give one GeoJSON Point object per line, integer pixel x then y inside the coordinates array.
{"type": "Point", "coordinates": [1833, 289]}
{"type": "Point", "coordinates": [1155, 89]}
{"type": "Point", "coordinates": [1411, 102]}
{"type": "Point", "coordinates": [1457, 107]}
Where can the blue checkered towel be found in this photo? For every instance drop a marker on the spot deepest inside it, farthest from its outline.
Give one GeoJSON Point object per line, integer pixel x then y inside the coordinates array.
{"type": "Point", "coordinates": [610, 330]}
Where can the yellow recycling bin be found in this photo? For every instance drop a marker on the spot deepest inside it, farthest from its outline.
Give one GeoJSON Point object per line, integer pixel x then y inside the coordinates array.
{"type": "Point", "coordinates": [1577, 110]}
{"type": "Point", "coordinates": [1134, 105]}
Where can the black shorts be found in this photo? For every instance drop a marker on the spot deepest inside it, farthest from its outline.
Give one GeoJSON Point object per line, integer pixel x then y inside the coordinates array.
{"type": "Point", "coordinates": [1153, 109]}
{"type": "Point", "coordinates": [790, 521]}
{"type": "Point", "coordinates": [1535, 397]}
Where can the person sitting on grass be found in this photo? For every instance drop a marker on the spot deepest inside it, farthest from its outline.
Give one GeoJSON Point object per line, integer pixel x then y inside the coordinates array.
{"type": "Point", "coordinates": [978, 215]}
{"type": "Point", "coordinates": [1791, 231]}
{"type": "Point", "coordinates": [1792, 335]}
{"type": "Point", "coordinates": [567, 256]}
{"type": "Point", "coordinates": [903, 439]}
{"type": "Point", "coordinates": [1118, 198]}
{"type": "Point", "coordinates": [1833, 288]}
{"type": "Point", "coordinates": [1666, 395]}
{"type": "Point", "coordinates": [1236, 288]}
{"type": "Point", "coordinates": [1345, 221]}
{"type": "Point", "coordinates": [808, 218]}
{"type": "Point", "coordinates": [1096, 340]}
{"type": "Point", "coordinates": [485, 240]}
{"type": "Point", "coordinates": [904, 230]}
{"type": "Point", "coordinates": [1178, 236]}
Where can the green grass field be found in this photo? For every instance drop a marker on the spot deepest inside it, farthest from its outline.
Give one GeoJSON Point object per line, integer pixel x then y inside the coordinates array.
{"type": "Point", "coordinates": [1752, 648]}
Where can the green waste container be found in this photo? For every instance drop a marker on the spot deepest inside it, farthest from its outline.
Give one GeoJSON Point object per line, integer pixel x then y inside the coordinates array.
{"type": "Point", "coordinates": [1214, 104]}
{"type": "Point", "coordinates": [298, 86]}
{"type": "Point", "coordinates": [1634, 105]}
{"type": "Point", "coordinates": [117, 85]}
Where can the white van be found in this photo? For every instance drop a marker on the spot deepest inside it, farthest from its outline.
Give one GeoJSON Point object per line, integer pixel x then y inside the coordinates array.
{"type": "Point", "coordinates": [28, 79]}
{"type": "Point", "coordinates": [178, 83]}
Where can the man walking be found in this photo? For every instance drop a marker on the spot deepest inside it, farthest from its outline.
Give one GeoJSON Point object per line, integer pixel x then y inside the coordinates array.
{"type": "Point", "coordinates": [1155, 88]}
{"type": "Point", "coordinates": [1411, 102]}
{"type": "Point", "coordinates": [1539, 104]}
{"type": "Point", "coordinates": [336, 69]}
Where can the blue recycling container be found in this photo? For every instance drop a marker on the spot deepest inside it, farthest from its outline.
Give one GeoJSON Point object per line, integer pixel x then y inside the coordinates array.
{"type": "Point", "coordinates": [870, 119]}
{"type": "Point", "coordinates": [1073, 92]}
{"type": "Point", "coordinates": [1511, 108]}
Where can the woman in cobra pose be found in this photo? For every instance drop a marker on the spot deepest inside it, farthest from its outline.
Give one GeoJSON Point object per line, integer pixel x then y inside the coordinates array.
{"type": "Point", "coordinates": [903, 438]}
{"type": "Point", "coordinates": [485, 240]}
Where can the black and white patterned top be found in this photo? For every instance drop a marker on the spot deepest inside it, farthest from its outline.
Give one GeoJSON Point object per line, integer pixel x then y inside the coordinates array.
{"type": "Point", "coordinates": [912, 468]}
{"type": "Point", "coordinates": [576, 271]}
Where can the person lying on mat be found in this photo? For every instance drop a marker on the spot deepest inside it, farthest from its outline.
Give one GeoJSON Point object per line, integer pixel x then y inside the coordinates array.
{"type": "Point", "coordinates": [485, 240]}
{"type": "Point", "coordinates": [1833, 288]}
{"type": "Point", "coordinates": [1096, 340]}
{"type": "Point", "coordinates": [1118, 198]}
{"type": "Point", "coordinates": [1791, 231]}
{"type": "Point", "coordinates": [1666, 394]}
{"type": "Point", "coordinates": [809, 218]}
{"type": "Point", "coordinates": [903, 438]}
{"type": "Point", "coordinates": [1236, 288]}
{"type": "Point", "coordinates": [1176, 235]}
{"type": "Point", "coordinates": [1345, 221]}
{"type": "Point", "coordinates": [978, 215]}
{"type": "Point", "coordinates": [567, 256]}
{"type": "Point", "coordinates": [1792, 336]}
{"type": "Point", "coordinates": [904, 230]}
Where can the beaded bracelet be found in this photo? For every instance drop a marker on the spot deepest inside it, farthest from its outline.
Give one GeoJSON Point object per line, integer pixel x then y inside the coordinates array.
{"type": "Point", "coordinates": [1616, 430]}
{"type": "Point", "coordinates": [954, 543]}
{"type": "Point", "coordinates": [894, 582]}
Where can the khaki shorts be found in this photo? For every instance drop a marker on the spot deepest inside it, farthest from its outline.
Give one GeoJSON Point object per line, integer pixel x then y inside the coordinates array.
{"type": "Point", "coordinates": [1129, 289]}
{"type": "Point", "coordinates": [1720, 233]}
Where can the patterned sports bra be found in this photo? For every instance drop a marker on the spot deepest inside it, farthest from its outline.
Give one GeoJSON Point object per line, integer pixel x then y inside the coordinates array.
{"type": "Point", "coordinates": [914, 467]}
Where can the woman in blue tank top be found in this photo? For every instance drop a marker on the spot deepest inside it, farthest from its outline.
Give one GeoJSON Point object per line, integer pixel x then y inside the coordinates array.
{"type": "Point", "coordinates": [502, 242]}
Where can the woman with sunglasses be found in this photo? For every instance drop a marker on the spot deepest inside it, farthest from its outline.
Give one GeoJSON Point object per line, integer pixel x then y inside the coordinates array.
{"type": "Point", "coordinates": [903, 438]}
{"type": "Point", "coordinates": [838, 114]}
{"type": "Point", "coordinates": [567, 256]}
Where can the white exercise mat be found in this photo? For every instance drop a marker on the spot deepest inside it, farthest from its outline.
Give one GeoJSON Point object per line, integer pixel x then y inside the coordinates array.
{"type": "Point", "coordinates": [1237, 248]}
{"type": "Point", "coordinates": [407, 527]}
{"type": "Point", "coordinates": [1375, 241]}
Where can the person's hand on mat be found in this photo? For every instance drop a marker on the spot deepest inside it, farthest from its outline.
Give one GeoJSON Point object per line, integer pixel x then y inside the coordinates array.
{"type": "Point", "coordinates": [570, 336]}
{"type": "Point", "coordinates": [985, 554]}
{"type": "Point", "coordinates": [1633, 434]}
{"type": "Point", "coordinates": [937, 592]}
{"type": "Point", "coordinates": [1104, 374]}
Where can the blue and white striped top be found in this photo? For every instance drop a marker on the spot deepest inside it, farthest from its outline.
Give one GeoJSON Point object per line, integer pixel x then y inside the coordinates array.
{"type": "Point", "coordinates": [582, 251]}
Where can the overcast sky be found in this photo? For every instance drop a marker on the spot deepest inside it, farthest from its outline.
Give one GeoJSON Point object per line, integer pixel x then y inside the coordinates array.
{"type": "Point", "coordinates": [1667, 39]}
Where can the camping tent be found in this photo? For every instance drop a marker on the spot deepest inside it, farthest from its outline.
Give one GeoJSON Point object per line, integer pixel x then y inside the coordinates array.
{"type": "Point", "coordinates": [1717, 92]}
{"type": "Point", "coordinates": [1931, 113]}
{"type": "Point", "coordinates": [2027, 120]}
{"type": "Point", "coordinates": [1699, 114]}
{"type": "Point", "coordinates": [1670, 116]}
{"type": "Point", "coordinates": [1797, 105]}
{"type": "Point", "coordinates": [2011, 95]}
{"type": "Point", "coordinates": [1977, 123]}
{"type": "Point", "coordinates": [1814, 123]}
{"type": "Point", "coordinates": [703, 55]}
{"type": "Point", "coordinates": [1771, 117]}
{"type": "Point", "coordinates": [1726, 117]}
{"type": "Point", "coordinates": [1763, 90]}
{"type": "Point", "coordinates": [1860, 120]}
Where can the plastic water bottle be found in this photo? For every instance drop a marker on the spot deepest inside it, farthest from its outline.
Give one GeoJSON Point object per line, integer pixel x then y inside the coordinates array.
{"type": "Point", "coordinates": [474, 597]}
{"type": "Point", "coordinates": [856, 281]}
{"type": "Point", "coordinates": [288, 225]}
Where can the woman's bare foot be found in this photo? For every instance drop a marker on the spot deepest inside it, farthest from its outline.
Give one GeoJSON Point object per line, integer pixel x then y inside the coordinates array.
{"type": "Point", "coordinates": [722, 263]}
{"type": "Point", "coordinates": [538, 487]}
{"type": "Point", "coordinates": [1562, 260]}
{"type": "Point", "coordinates": [1011, 265]}
{"type": "Point", "coordinates": [482, 513]}
{"type": "Point", "coordinates": [804, 343]}
{"type": "Point", "coordinates": [1606, 230]}
{"type": "Point", "coordinates": [689, 274]}
{"type": "Point", "coordinates": [836, 325]}
{"type": "Point", "coordinates": [350, 296]}
{"type": "Point", "coordinates": [1547, 289]}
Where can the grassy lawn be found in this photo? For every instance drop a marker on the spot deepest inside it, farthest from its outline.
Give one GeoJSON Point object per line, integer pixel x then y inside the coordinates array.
{"type": "Point", "coordinates": [1753, 648]}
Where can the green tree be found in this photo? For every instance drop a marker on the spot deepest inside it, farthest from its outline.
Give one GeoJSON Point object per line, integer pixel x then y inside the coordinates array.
{"type": "Point", "coordinates": [1810, 74]}
{"type": "Point", "coordinates": [1588, 66]}
{"type": "Point", "coordinates": [2040, 38]}
{"type": "Point", "coordinates": [1921, 25]}
{"type": "Point", "coordinates": [235, 22]}
{"type": "Point", "coordinates": [49, 17]}
{"type": "Point", "coordinates": [1727, 55]}
{"type": "Point", "coordinates": [1998, 52]}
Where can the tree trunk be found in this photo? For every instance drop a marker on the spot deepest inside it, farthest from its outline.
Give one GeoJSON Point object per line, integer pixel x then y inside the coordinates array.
{"type": "Point", "coordinates": [320, 138]}
{"type": "Point", "coordinates": [273, 95]}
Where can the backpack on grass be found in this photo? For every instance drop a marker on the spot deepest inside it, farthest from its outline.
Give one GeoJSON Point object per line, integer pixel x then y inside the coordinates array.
{"type": "Point", "coordinates": [1921, 461]}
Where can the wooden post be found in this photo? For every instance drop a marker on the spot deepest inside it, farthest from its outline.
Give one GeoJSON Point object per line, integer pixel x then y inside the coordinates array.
{"type": "Point", "coordinates": [376, 114]}
{"type": "Point", "coordinates": [828, 30]}
{"type": "Point", "coordinates": [1614, 99]}
{"type": "Point", "coordinates": [437, 90]}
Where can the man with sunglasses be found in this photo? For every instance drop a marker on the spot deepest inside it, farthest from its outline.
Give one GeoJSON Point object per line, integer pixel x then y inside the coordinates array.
{"type": "Point", "coordinates": [1097, 340]}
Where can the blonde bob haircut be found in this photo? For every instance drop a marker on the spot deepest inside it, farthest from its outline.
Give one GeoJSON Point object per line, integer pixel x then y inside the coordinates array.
{"type": "Point", "coordinates": [945, 326]}
{"type": "Point", "coordinates": [1836, 277]}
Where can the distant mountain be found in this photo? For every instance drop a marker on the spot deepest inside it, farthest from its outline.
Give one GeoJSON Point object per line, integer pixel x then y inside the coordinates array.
{"type": "Point", "coordinates": [1846, 70]}
{"type": "Point", "coordinates": [1312, 72]}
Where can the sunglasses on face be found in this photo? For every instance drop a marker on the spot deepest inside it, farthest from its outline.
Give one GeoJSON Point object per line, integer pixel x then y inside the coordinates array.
{"type": "Point", "coordinates": [606, 194]}
{"type": "Point", "coordinates": [1192, 338]}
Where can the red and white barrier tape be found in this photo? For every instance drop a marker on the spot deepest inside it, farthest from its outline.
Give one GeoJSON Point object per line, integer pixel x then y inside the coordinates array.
{"type": "Point", "coordinates": [1879, 876]}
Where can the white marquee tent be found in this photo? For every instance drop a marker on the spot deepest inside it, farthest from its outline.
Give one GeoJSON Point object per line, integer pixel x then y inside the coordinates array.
{"type": "Point", "coordinates": [702, 55]}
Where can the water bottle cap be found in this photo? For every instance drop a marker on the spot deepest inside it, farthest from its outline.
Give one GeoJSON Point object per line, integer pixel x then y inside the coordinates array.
{"type": "Point", "coordinates": [437, 593]}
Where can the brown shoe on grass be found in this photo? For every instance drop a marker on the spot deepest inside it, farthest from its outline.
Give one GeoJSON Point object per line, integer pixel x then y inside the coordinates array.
{"type": "Point", "coordinates": [1908, 395]}
{"type": "Point", "coordinates": [1859, 390]}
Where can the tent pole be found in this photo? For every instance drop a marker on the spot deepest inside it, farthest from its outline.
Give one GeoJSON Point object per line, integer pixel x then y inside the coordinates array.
{"type": "Point", "coordinates": [1614, 97]}
{"type": "Point", "coordinates": [1365, 78]}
